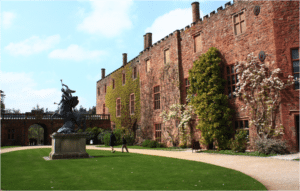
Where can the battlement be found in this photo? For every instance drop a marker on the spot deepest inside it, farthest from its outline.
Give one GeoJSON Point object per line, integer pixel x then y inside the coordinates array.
{"type": "Point", "coordinates": [196, 21]}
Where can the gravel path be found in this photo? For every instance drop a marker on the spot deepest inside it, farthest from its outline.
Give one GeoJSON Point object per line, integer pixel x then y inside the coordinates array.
{"type": "Point", "coordinates": [274, 173]}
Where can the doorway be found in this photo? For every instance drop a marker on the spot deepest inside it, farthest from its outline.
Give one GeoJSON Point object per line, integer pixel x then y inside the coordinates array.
{"type": "Point", "coordinates": [36, 135]}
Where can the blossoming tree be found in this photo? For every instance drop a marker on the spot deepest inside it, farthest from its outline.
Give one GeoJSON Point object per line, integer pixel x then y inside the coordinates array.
{"type": "Point", "coordinates": [262, 94]}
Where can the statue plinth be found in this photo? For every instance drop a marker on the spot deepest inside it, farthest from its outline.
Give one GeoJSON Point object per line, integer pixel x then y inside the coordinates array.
{"type": "Point", "coordinates": [67, 146]}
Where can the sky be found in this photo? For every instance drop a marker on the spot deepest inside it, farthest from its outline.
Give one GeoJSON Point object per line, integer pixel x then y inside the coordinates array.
{"type": "Point", "coordinates": [43, 42]}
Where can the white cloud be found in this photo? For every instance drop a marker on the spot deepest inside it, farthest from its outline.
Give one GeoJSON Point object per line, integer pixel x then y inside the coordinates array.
{"type": "Point", "coordinates": [109, 18]}
{"type": "Point", "coordinates": [169, 22]}
{"type": "Point", "coordinates": [8, 18]}
{"type": "Point", "coordinates": [32, 45]}
{"type": "Point", "coordinates": [76, 53]}
{"type": "Point", "coordinates": [21, 93]}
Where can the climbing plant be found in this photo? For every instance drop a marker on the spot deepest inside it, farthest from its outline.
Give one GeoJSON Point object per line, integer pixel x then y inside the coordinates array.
{"type": "Point", "coordinates": [123, 91]}
{"type": "Point", "coordinates": [210, 103]}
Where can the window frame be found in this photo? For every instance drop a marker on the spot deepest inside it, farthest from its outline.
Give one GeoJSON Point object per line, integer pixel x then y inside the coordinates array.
{"type": "Point", "coordinates": [123, 78]}
{"type": "Point", "coordinates": [156, 103]}
{"type": "Point", "coordinates": [130, 98]}
{"type": "Point", "coordinates": [239, 23]}
{"type": "Point", "coordinates": [195, 45]}
{"type": "Point", "coordinates": [186, 87]}
{"type": "Point", "coordinates": [105, 88]}
{"type": "Point", "coordinates": [292, 60]}
{"type": "Point", "coordinates": [157, 131]}
{"type": "Point", "coordinates": [117, 107]}
{"type": "Point", "coordinates": [148, 69]}
{"type": "Point", "coordinates": [236, 79]}
{"type": "Point", "coordinates": [113, 83]}
{"type": "Point", "coordinates": [103, 108]}
{"type": "Point", "coordinates": [134, 72]}
{"type": "Point", "coordinates": [98, 91]}
{"type": "Point", "coordinates": [165, 57]}
{"type": "Point", "coordinates": [237, 124]}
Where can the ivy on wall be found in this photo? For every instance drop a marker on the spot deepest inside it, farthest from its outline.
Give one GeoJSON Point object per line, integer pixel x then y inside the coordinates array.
{"type": "Point", "coordinates": [126, 120]}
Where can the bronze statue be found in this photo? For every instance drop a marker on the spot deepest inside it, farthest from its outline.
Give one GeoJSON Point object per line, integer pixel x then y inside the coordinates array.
{"type": "Point", "coordinates": [66, 111]}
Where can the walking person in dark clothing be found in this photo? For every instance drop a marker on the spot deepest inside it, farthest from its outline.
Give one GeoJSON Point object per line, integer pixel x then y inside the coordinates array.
{"type": "Point", "coordinates": [124, 143]}
{"type": "Point", "coordinates": [112, 141]}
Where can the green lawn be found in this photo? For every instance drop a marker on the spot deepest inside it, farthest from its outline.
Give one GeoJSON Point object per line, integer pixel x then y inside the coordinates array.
{"type": "Point", "coordinates": [296, 159]}
{"type": "Point", "coordinates": [27, 170]}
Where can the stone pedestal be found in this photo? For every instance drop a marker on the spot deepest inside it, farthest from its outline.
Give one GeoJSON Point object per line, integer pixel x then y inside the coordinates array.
{"type": "Point", "coordinates": [67, 146]}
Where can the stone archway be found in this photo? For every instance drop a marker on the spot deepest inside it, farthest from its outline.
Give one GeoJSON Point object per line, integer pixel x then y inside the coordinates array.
{"type": "Point", "coordinates": [37, 134]}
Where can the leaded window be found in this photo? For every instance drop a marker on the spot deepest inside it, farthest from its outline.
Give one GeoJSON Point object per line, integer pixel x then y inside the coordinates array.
{"type": "Point", "coordinates": [295, 61]}
{"type": "Point", "coordinates": [232, 80]}
{"type": "Point", "coordinates": [158, 132]}
{"type": "Point", "coordinates": [156, 98]}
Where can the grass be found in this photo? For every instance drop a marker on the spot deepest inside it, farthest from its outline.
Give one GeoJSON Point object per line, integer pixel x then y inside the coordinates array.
{"type": "Point", "coordinates": [296, 159]}
{"type": "Point", "coordinates": [27, 170]}
{"type": "Point", "coordinates": [140, 147]}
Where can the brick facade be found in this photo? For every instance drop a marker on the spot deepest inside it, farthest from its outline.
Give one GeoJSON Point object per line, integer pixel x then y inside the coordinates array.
{"type": "Point", "coordinates": [236, 31]}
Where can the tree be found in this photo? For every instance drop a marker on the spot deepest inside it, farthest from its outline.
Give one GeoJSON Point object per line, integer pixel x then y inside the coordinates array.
{"type": "Point", "coordinates": [262, 94]}
{"type": "Point", "coordinates": [210, 102]}
{"type": "Point", "coordinates": [2, 102]}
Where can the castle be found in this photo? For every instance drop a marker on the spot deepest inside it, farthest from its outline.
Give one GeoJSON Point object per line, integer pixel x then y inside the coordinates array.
{"type": "Point", "coordinates": [138, 91]}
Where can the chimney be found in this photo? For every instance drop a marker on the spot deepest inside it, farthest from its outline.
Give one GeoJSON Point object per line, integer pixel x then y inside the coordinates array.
{"type": "Point", "coordinates": [147, 40]}
{"type": "Point", "coordinates": [124, 59]}
{"type": "Point", "coordinates": [103, 73]}
{"type": "Point", "coordinates": [195, 11]}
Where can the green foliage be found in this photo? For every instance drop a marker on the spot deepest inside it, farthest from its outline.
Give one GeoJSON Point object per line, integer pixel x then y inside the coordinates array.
{"type": "Point", "coordinates": [146, 143]}
{"type": "Point", "coordinates": [271, 146]}
{"type": "Point", "coordinates": [100, 136]}
{"type": "Point", "coordinates": [211, 104]}
{"type": "Point", "coordinates": [129, 138]}
{"type": "Point", "coordinates": [239, 143]}
{"type": "Point", "coordinates": [92, 133]}
{"type": "Point", "coordinates": [152, 144]}
{"type": "Point", "coordinates": [118, 134]}
{"type": "Point", "coordinates": [123, 91]}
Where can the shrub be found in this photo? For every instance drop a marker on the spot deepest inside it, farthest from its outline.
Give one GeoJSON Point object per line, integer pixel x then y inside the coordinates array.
{"type": "Point", "coordinates": [153, 144]}
{"type": "Point", "coordinates": [239, 143]}
{"type": "Point", "coordinates": [146, 143]}
{"type": "Point", "coordinates": [100, 136]}
{"type": "Point", "coordinates": [130, 138]}
{"type": "Point", "coordinates": [106, 138]}
{"type": "Point", "coordinates": [271, 146]}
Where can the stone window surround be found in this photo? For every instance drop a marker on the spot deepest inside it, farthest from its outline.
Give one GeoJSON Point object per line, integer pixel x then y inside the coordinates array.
{"type": "Point", "coordinates": [146, 60]}
{"type": "Point", "coordinates": [245, 122]}
{"type": "Point", "coordinates": [291, 49]}
{"type": "Point", "coordinates": [157, 130]}
{"type": "Point", "coordinates": [194, 38]}
{"type": "Point", "coordinates": [186, 80]}
{"type": "Point", "coordinates": [229, 82]}
{"type": "Point", "coordinates": [123, 78]}
{"type": "Point", "coordinates": [165, 50]}
{"type": "Point", "coordinates": [154, 93]}
{"type": "Point", "coordinates": [132, 113]}
{"type": "Point", "coordinates": [117, 107]}
{"type": "Point", "coordinates": [239, 13]}
{"type": "Point", "coordinates": [134, 75]}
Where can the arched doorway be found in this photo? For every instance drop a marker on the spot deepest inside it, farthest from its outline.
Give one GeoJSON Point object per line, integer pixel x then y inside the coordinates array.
{"type": "Point", "coordinates": [37, 134]}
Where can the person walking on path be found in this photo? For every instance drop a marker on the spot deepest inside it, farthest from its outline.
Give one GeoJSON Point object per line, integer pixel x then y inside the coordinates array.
{"type": "Point", "coordinates": [124, 144]}
{"type": "Point", "coordinates": [112, 141]}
